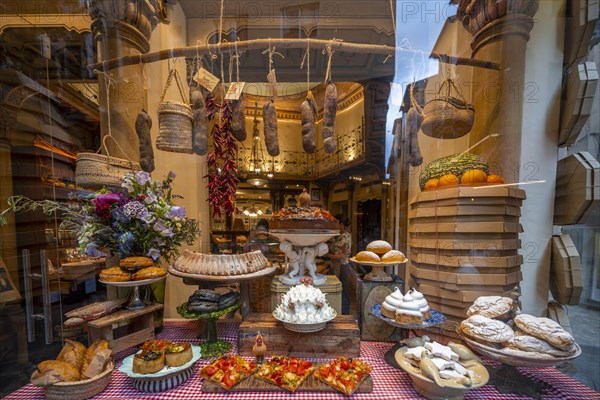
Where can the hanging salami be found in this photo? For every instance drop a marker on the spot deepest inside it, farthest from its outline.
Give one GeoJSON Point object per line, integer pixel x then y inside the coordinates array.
{"type": "Point", "coordinates": [329, 111]}
{"type": "Point", "coordinates": [143, 123]}
{"type": "Point", "coordinates": [199, 123]}
{"type": "Point", "coordinates": [238, 122]}
{"type": "Point", "coordinates": [413, 124]}
{"type": "Point", "coordinates": [270, 128]}
{"type": "Point", "coordinates": [309, 113]}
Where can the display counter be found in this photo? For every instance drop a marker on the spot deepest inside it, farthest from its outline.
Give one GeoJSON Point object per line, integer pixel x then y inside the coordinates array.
{"type": "Point", "coordinates": [388, 382]}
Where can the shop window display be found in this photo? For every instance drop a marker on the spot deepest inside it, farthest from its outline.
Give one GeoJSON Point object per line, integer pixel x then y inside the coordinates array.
{"type": "Point", "coordinates": [459, 138]}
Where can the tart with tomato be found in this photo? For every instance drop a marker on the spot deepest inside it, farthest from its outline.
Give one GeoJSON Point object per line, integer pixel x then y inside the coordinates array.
{"type": "Point", "coordinates": [286, 372]}
{"type": "Point", "coordinates": [228, 371]}
{"type": "Point", "coordinates": [344, 374]}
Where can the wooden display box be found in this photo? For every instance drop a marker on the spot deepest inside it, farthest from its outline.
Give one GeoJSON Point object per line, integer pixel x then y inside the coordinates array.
{"type": "Point", "coordinates": [467, 261]}
{"type": "Point", "coordinates": [433, 273]}
{"type": "Point", "coordinates": [139, 327]}
{"type": "Point", "coordinates": [566, 282]}
{"type": "Point", "coordinates": [371, 293]}
{"type": "Point", "coordinates": [341, 337]}
{"type": "Point", "coordinates": [332, 289]}
{"type": "Point", "coordinates": [467, 243]}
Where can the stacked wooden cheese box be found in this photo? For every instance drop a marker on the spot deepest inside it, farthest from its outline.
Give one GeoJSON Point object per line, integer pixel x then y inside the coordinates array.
{"type": "Point", "coordinates": [464, 243]}
{"type": "Point", "coordinates": [566, 281]}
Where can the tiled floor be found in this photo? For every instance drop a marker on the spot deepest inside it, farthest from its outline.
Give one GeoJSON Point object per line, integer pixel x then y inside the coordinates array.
{"type": "Point", "coordinates": [585, 324]}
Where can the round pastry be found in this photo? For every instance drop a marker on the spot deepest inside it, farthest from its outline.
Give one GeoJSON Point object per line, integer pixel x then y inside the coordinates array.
{"type": "Point", "coordinates": [422, 302]}
{"type": "Point", "coordinates": [148, 362]}
{"type": "Point", "coordinates": [393, 256]}
{"type": "Point", "coordinates": [409, 311]}
{"type": "Point", "coordinates": [178, 354]}
{"type": "Point", "coordinates": [379, 247]}
{"type": "Point", "coordinates": [367, 256]}
{"type": "Point", "coordinates": [137, 262]}
{"type": "Point", "coordinates": [115, 274]}
{"type": "Point", "coordinates": [391, 304]}
{"type": "Point", "coordinates": [149, 273]}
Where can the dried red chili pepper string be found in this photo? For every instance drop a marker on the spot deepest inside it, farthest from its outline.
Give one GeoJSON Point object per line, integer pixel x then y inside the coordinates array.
{"type": "Point", "coordinates": [222, 170]}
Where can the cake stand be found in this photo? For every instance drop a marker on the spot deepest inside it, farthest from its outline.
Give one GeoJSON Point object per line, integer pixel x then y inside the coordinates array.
{"type": "Point", "coordinates": [212, 347]}
{"type": "Point", "coordinates": [378, 273]}
{"type": "Point", "coordinates": [136, 303]}
{"type": "Point", "coordinates": [304, 241]}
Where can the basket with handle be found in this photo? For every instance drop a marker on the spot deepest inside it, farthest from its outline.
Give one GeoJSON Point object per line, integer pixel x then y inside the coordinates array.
{"type": "Point", "coordinates": [174, 120]}
{"type": "Point", "coordinates": [447, 116]}
{"type": "Point", "coordinates": [96, 170]}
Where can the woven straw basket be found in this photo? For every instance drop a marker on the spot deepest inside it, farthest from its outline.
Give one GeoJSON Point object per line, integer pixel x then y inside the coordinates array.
{"type": "Point", "coordinates": [174, 120]}
{"type": "Point", "coordinates": [447, 117]}
{"type": "Point", "coordinates": [79, 390]}
{"type": "Point", "coordinates": [96, 170]}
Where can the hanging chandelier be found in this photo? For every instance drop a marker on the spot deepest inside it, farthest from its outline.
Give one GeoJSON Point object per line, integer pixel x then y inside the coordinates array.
{"type": "Point", "coordinates": [255, 177]}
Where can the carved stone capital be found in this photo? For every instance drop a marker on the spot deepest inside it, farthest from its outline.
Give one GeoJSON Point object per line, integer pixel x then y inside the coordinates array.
{"type": "Point", "coordinates": [475, 15]}
{"type": "Point", "coordinates": [131, 20]}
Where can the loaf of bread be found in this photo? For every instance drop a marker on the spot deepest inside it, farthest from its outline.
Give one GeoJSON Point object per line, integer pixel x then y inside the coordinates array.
{"type": "Point", "coordinates": [61, 371]}
{"type": "Point", "coordinates": [535, 345]}
{"type": "Point", "coordinates": [379, 247]}
{"type": "Point", "coordinates": [72, 353]}
{"type": "Point", "coordinates": [491, 307]}
{"type": "Point", "coordinates": [367, 256]}
{"type": "Point", "coordinates": [486, 329]}
{"type": "Point", "coordinates": [393, 256]}
{"type": "Point", "coordinates": [545, 329]}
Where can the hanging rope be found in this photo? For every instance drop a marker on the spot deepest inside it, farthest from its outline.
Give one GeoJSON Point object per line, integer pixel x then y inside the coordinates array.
{"type": "Point", "coordinates": [330, 55]}
{"type": "Point", "coordinates": [271, 52]}
{"type": "Point", "coordinates": [307, 59]}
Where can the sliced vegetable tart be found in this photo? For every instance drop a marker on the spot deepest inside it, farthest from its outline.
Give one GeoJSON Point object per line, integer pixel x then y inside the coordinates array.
{"type": "Point", "coordinates": [286, 372]}
{"type": "Point", "coordinates": [343, 374]}
{"type": "Point", "coordinates": [228, 371]}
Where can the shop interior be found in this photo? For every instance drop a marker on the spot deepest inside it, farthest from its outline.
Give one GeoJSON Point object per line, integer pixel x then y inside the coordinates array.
{"type": "Point", "coordinates": [74, 76]}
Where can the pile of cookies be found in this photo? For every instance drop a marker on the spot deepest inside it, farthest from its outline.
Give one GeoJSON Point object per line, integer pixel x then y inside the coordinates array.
{"type": "Point", "coordinates": [132, 269]}
{"type": "Point", "coordinates": [492, 323]}
{"type": "Point", "coordinates": [380, 251]}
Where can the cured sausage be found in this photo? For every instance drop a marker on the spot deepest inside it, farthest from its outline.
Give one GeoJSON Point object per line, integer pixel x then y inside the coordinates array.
{"type": "Point", "coordinates": [238, 120]}
{"type": "Point", "coordinates": [413, 124]}
{"type": "Point", "coordinates": [329, 111]}
{"type": "Point", "coordinates": [199, 123]}
{"type": "Point", "coordinates": [143, 123]}
{"type": "Point", "coordinates": [309, 113]}
{"type": "Point", "coordinates": [270, 128]}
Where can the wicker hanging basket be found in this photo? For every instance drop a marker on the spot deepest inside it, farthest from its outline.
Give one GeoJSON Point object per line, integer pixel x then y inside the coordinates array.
{"type": "Point", "coordinates": [446, 116]}
{"type": "Point", "coordinates": [94, 170]}
{"type": "Point", "coordinates": [174, 120]}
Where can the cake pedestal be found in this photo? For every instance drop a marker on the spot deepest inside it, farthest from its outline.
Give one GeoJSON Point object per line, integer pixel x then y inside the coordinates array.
{"type": "Point", "coordinates": [301, 246]}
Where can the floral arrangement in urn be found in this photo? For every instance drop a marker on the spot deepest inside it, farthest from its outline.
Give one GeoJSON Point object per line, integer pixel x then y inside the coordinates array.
{"type": "Point", "coordinates": [137, 219]}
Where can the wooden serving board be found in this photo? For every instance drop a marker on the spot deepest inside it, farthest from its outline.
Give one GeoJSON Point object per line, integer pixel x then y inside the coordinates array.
{"type": "Point", "coordinates": [311, 384]}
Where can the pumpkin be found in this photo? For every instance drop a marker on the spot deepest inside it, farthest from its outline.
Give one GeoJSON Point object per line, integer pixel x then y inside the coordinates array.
{"type": "Point", "coordinates": [493, 178]}
{"type": "Point", "coordinates": [448, 180]}
{"type": "Point", "coordinates": [455, 164]}
{"type": "Point", "coordinates": [474, 176]}
{"type": "Point", "coordinates": [432, 184]}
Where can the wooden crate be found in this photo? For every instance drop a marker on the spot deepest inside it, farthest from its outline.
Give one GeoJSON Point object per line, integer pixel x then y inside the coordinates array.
{"type": "Point", "coordinates": [371, 293]}
{"type": "Point", "coordinates": [341, 337]}
{"type": "Point", "coordinates": [332, 289]}
{"type": "Point", "coordinates": [139, 327]}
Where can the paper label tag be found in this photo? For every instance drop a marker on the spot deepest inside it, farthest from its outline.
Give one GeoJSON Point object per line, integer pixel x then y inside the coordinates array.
{"type": "Point", "coordinates": [206, 79]}
{"type": "Point", "coordinates": [272, 79]}
{"type": "Point", "coordinates": [235, 91]}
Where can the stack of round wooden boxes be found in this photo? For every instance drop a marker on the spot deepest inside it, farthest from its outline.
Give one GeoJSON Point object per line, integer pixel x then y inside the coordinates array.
{"type": "Point", "coordinates": [464, 243]}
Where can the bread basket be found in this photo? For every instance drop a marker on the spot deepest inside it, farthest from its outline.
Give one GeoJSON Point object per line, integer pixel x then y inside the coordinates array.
{"type": "Point", "coordinates": [446, 116]}
{"type": "Point", "coordinates": [82, 389]}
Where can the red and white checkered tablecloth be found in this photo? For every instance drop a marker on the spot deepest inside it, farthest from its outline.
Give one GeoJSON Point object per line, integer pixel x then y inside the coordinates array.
{"type": "Point", "coordinates": [388, 382]}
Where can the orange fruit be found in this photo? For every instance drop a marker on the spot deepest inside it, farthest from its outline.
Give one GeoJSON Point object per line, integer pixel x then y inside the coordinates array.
{"type": "Point", "coordinates": [448, 180]}
{"type": "Point", "coordinates": [492, 178]}
{"type": "Point", "coordinates": [432, 184]}
{"type": "Point", "coordinates": [474, 176]}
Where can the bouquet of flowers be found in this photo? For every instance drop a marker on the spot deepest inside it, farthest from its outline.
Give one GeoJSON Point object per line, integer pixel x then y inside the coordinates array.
{"type": "Point", "coordinates": [137, 219]}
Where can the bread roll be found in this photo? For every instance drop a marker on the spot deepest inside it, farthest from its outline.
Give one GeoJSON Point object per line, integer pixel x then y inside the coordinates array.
{"type": "Point", "coordinates": [63, 371]}
{"type": "Point", "coordinates": [72, 353]}
{"type": "Point", "coordinates": [393, 256]}
{"type": "Point", "coordinates": [367, 256]}
{"type": "Point", "coordinates": [379, 247]}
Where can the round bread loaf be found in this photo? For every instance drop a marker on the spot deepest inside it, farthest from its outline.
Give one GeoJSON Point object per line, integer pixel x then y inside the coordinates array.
{"type": "Point", "coordinates": [379, 247]}
{"type": "Point", "coordinates": [115, 274]}
{"type": "Point", "coordinates": [393, 256]}
{"type": "Point", "coordinates": [367, 256]}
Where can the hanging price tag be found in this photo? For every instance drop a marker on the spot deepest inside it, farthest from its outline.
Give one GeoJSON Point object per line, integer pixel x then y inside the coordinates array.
{"type": "Point", "coordinates": [235, 91]}
{"type": "Point", "coordinates": [272, 79]}
{"type": "Point", "coordinates": [206, 79]}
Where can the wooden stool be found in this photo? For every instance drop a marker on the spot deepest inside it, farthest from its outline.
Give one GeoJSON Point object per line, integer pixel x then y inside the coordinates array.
{"type": "Point", "coordinates": [139, 329]}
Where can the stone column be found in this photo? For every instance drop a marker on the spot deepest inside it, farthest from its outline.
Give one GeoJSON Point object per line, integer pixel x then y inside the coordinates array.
{"type": "Point", "coordinates": [500, 33]}
{"type": "Point", "coordinates": [123, 28]}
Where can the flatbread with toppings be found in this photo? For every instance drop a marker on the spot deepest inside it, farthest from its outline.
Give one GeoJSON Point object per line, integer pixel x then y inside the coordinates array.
{"type": "Point", "coordinates": [228, 371]}
{"type": "Point", "coordinates": [286, 372]}
{"type": "Point", "coordinates": [344, 374]}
